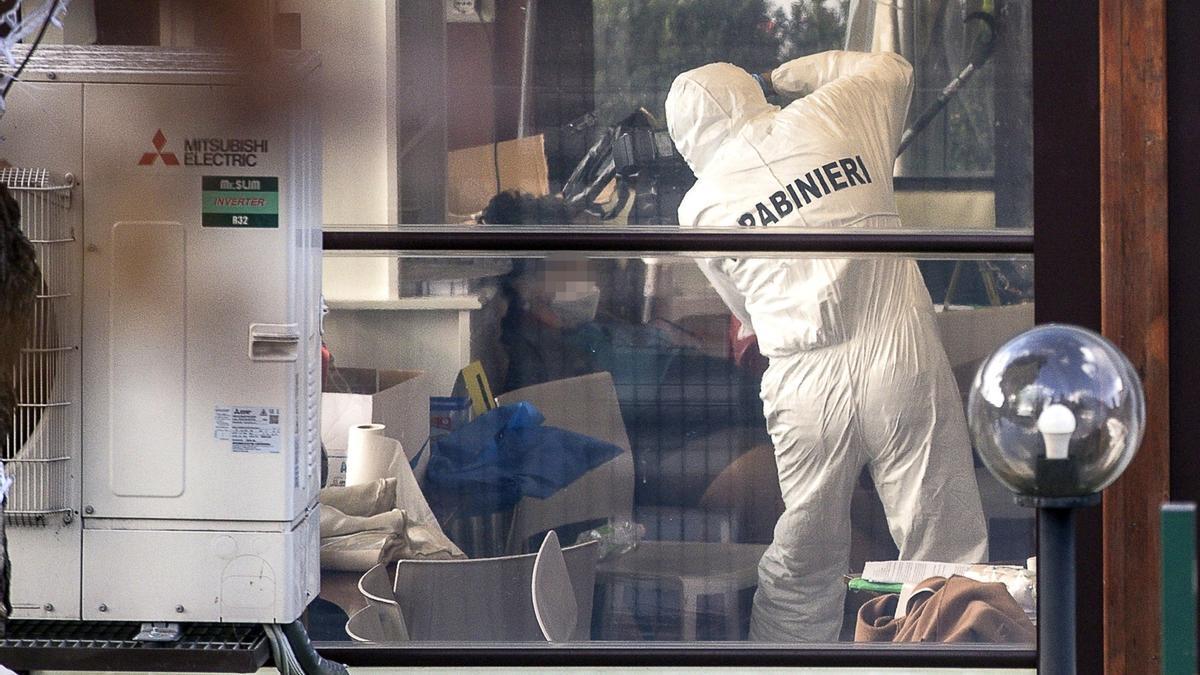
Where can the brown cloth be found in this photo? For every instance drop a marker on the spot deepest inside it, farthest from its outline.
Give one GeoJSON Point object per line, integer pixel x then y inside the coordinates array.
{"type": "Point", "coordinates": [957, 609]}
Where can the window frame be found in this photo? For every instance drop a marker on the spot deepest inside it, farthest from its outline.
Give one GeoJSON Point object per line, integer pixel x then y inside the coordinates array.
{"type": "Point", "coordinates": [1066, 252]}
{"type": "Point", "coordinates": [469, 240]}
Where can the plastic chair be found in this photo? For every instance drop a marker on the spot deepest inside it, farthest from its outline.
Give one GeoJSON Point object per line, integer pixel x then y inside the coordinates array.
{"type": "Point", "coordinates": [380, 620]}
{"type": "Point", "coordinates": [693, 569]}
{"type": "Point", "coordinates": [491, 599]}
{"type": "Point", "coordinates": [586, 405]}
{"type": "Point", "coordinates": [364, 626]}
{"type": "Point", "coordinates": [554, 604]}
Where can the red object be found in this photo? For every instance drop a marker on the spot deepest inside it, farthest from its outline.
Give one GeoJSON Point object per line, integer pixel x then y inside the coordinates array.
{"type": "Point", "coordinates": [326, 357]}
{"type": "Point", "coordinates": [745, 349]}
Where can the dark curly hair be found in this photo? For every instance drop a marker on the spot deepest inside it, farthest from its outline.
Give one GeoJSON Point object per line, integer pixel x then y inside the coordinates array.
{"type": "Point", "coordinates": [514, 207]}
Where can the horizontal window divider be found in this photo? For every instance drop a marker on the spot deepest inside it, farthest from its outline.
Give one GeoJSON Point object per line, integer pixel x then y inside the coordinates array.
{"type": "Point", "coordinates": [495, 239]}
{"type": "Point", "coordinates": [700, 654]}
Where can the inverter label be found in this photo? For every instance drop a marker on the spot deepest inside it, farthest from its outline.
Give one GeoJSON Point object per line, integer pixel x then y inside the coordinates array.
{"type": "Point", "coordinates": [250, 429]}
{"type": "Point", "coordinates": [240, 201]}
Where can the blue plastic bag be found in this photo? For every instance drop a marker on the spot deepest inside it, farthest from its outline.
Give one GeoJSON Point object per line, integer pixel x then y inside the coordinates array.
{"type": "Point", "coordinates": [506, 454]}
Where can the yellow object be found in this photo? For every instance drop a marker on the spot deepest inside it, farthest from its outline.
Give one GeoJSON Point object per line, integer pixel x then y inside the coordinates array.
{"type": "Point", "coordinates": [476, 383]}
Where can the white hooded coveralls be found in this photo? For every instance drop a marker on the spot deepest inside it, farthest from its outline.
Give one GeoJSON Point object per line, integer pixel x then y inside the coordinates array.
{"type": "Point", "coordinates": [857, 373]}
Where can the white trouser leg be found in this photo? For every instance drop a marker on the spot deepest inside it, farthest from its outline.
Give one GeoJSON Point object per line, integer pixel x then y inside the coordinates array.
{"type": "Point", "coordinates": [809, 404]}
{"type": "Point", "coordinates": [920, 452]}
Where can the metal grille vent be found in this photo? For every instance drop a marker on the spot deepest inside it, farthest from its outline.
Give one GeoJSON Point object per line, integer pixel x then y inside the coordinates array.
{"type": "Point", "coordinates": [119, 635]}
{"type": "Point", "coordinates": [67, 645]}
{"type": "Point", "coordinates": [45, 423]}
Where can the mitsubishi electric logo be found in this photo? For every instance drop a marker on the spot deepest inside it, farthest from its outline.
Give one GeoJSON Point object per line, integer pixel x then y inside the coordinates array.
{"type": "Point", "coordinates": [160, 142]}
{"type": "Point", "coordinates": [207, 151]}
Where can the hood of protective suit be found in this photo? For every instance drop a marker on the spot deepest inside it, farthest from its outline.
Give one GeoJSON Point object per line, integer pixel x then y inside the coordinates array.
{"type": "Point", "coordinates": [709, 106]}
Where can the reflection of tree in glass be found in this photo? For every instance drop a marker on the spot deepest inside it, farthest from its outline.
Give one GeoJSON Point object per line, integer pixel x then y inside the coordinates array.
{"type": "Point", "coordinates": [812, 26]}
{"type": "Point", "coordinates": [1022, 373]}
{"type": "Point", "coordinates": [960, 141]}
{"type": "Point", "coordinates": [641, 45]}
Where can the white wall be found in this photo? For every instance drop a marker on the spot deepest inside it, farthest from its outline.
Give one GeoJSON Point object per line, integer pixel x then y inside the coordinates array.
{"type": "Point", "coordinates": [356, 96]}
{"type": "Point", "coordinates": [352, 37]}
{"type": "Point", "coordinates": [79, 25]}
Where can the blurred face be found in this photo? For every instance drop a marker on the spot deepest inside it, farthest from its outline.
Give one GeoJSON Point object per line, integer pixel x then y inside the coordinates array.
{"type": "Point", "coordinates": [561, 292]}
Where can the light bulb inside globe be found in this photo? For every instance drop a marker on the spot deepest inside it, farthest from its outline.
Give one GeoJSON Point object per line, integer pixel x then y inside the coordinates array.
{"type": "Point", "coordinates": [1056, 424]}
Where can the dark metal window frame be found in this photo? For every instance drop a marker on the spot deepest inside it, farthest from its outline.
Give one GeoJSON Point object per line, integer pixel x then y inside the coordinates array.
{"type": "Point", "coordinates": [490, 239]}
{"type": "Point", "coordinates": [1066, 250]}
{"type": "Point", "coordinates": [470, 240]}
{"type": "Point", "coordinates": [696, 655]}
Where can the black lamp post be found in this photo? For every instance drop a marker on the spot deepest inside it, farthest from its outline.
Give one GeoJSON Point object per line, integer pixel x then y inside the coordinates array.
{"type": "Point", "coordinates": [1056, 414]}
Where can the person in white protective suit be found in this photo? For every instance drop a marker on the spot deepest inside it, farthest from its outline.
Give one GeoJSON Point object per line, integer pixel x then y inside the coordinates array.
{"type": "Point", "coordinates": [857, 373]}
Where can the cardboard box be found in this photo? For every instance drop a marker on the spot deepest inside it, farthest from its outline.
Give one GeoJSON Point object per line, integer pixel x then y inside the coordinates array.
{"type": "Point", "coordinates": [397, 399]}
{"type": "Point", "coordinates": [472, 173]}
{"type": "Point", "coordinates": [337, 466]}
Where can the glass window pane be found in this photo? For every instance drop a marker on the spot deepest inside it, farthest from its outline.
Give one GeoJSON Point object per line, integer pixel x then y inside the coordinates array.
{"type": "Point", "coordinates": [637, 411]}
{"type": "Point", "coordinates": [539, 101]}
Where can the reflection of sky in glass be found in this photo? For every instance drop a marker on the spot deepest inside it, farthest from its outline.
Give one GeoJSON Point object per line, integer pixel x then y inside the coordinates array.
{"type": "Point", "coordinates": [990, 387]}
{"type": "Point", "coordinates": [1089, 361]}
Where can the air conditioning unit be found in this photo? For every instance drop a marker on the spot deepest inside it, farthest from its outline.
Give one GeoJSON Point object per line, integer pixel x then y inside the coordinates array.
{"type": "Point", "coordinates": [167, 460]}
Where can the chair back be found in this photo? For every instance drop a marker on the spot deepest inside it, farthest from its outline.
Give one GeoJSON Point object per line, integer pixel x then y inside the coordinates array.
{"type": "Point", "coordinates": [380, 620]}
{"type": "Point", "coordinates": [487, 599]}
{"type": "Point", "coordinates": [554, 604]}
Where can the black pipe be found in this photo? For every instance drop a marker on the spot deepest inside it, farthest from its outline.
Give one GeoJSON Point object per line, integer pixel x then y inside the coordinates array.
{"type": "Point", "coordinates": [310, 661]}
{"type": "Point", "coordinates": [1056, 591]}
{"type": "Point", "coordinates": [982, 52]}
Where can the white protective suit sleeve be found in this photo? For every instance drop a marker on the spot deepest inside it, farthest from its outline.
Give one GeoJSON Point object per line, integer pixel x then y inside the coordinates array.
{"type": "Point", "coordinates": [727, 291]}
{"type": "Point", "coordinates": [804, 75]}
{"type": "Point", "coordinates": [845, 80]}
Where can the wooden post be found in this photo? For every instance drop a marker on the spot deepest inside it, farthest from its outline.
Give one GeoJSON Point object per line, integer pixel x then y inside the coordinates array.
{"type": "Point", "coordinates": [1134, 292]}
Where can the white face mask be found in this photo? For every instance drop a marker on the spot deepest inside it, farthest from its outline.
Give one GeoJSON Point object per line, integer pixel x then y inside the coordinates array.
{"type": "Point", "coordinates": [577, 303]}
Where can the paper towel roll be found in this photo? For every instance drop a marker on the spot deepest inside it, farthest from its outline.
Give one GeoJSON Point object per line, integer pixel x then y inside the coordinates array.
{"type": "Point", "coordinates": [366, 430]}
{"type": "Point", "coordinates": [368, 454]}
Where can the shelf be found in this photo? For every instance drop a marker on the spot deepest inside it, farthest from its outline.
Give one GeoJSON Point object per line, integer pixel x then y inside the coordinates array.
{"type": "Point", "coordinates": [429, 303]}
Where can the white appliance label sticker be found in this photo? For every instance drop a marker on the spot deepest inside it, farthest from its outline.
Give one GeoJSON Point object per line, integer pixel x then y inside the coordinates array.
{"type": "Point", "coordinates": [251, 429]}
{"type": "Point", "coordinates": [222, 422]}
